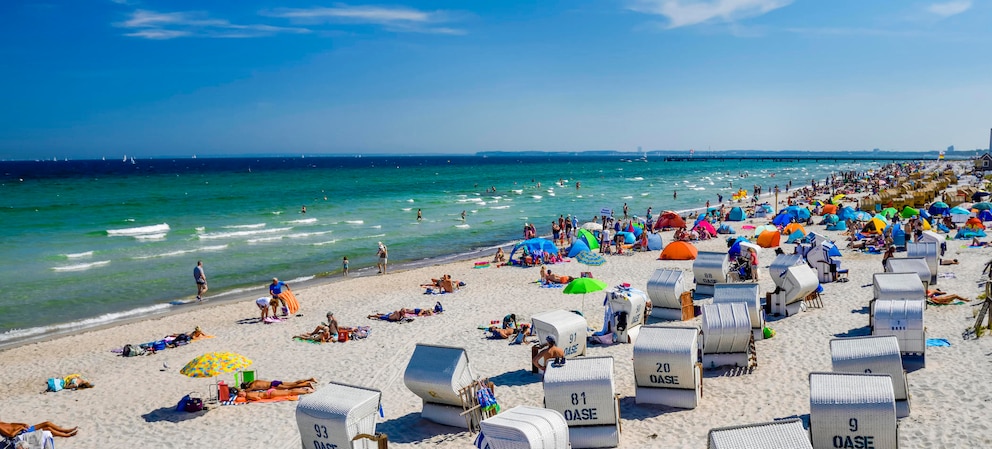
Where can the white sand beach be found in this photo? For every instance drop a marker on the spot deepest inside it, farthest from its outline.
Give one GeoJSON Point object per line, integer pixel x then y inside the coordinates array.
{"type": "Point", "coordinates": [133, 402]}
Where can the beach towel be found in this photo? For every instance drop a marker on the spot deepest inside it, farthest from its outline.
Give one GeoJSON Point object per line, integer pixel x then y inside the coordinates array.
{"type": "Point", "coordinates": [941, 342]}
{"type": "Point", "coordinates": [290, 299]}
{"type": "Point", "coordinates": [948, 275]}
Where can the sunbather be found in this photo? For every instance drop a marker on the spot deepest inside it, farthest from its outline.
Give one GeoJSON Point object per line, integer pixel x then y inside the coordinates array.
{"type": "Point", "coordinates": [509, 327]}
{"type": "Point", "coordinates": [262, 385]}
{"type": "Point", "coordinates": [75, 381]}
{"type": "Point", "coordinates": [948, 261]}
{"type": "Point", "coordinates": [399, 315]}
{"type": "Point", "coordinates": [941, 297]}
{"type": "Point", "coordinates": [551, 352]}
{"type": "Point", "coordinates": [273, 393]}
{"type": "Point", "coordinates": [13, 429]}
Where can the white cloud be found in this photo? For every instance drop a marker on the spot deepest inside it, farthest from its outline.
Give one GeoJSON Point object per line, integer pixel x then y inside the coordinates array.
{"type": "Point", "coordinates": [693, 12]}
{"type": "Point", "coordinates": [398, 19]}
{"type": "Point", "coordinates": [948, 9]}
{"type": "Point", "coordinates": [157, 25]}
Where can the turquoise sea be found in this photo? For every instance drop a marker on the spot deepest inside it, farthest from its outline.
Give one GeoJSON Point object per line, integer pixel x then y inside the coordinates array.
{"type": "Point", "coordinates": [85, 243]}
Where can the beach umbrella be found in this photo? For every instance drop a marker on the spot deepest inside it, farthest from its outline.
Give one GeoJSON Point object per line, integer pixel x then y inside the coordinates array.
{"type": "Point", "coordinates": [838, 197]}
{"type": "Point", "coordinates": [959, 211]}
{"type": "Point", "coordinates": [940, 204]}
{"type": "Point", "coordinates": [592, 226]}
{"type": "Point", "coordinates": [590, 258]}
{"type": "Point", "coordinates": [908, 212]}
{"type": "Point", "coordinates": [214, 363]}
{"type": "Point", "coordinates": [581, 286]}
{"type": "Point", "coordinates": [984, 205]}
{"type": "Point", "coordinates": [889, 212]}
{"type": "Point", "coordinates": [977, 196]}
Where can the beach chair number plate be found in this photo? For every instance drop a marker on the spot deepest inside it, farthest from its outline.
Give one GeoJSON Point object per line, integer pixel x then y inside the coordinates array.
{"type": "Point", "coordinates": [580, 414]}
{"type": "Point", "coordinates": [665, 379]}
{"type": "Point", "coordinates": [854, 441]}
{"type": "Point", "coordinates": [322, 434]}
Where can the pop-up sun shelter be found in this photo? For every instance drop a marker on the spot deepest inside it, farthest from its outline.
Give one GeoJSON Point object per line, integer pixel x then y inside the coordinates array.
{"type": "Point", "coordinates": [736, 214]}
{"type": "Point", "coordinates": [669, 220]}
{"type": "Point", "coordinates": [588, 238]}
{"type": "Point", "coordinates": [654, 241]}
{"type": "Point", "coordinates": [679, 250]}
{"type": "Point", "coordinates": [535, 245]}
{"type": "Point", "coordinates": [769, 239]}
{"type": "Point", "coordinates": [578, 246]}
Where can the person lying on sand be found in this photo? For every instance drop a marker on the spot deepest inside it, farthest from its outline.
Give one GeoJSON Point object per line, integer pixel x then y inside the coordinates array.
{"type": "Point", "coordinates": [509, 327]}
{"type": "Point", "coordinates": [976, 242]}
{"type": "Point", "coordinates": [75, 381]}
{"type": "Point", "coordinates": [940, 297]}
{"type": "Point", "coordinates": [551, 278]}
{"type": "Point", "coordinates": [13, 429]}
{"type": "Point", "coordinates": [948, 261]}
{"type": "Point", "coordinates": [273, 393]}
{"type": "Point", "coordinates": [399, 315]}
{"type": "Point", "coordinates": [325, 332]}
{"type": "Point", "coordinates": [262, 385]}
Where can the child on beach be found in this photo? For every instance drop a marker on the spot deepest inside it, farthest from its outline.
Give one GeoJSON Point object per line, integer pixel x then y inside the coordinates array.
{"type": "Point", "coordinates": [344, 265]}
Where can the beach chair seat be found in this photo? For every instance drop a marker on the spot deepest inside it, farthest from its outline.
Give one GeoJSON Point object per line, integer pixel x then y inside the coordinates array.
{"type": "Point", "coordinates": [524, 427]}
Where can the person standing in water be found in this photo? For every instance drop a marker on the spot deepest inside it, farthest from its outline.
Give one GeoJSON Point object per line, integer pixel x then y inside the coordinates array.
{"type": "Point", "coordinates": [420, 215]}
{"type": "Point", "coordinates": [675, 194]}
{"type": "Point", "coordinates": [463, 215]}
{"type": "Point", "coordinates": [201, 280]}
{"type": "Point", "coordinates": [344, 265]}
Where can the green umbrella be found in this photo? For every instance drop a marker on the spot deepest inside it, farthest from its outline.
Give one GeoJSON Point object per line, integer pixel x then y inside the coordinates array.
{"type": "Point", "coordinates": [583, 286]}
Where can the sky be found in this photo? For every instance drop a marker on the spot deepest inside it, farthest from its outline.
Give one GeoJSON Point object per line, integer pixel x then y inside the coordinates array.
{"type": "Point", "coordinates": [94, 78]}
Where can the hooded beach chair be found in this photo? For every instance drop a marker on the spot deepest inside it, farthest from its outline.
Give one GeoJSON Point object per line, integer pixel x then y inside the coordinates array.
{"type": "Point", "coordinates": [852, 410]}
{"type": "Point", "coordinates": [749, 295]}
{"type": "Point", "coordinates": [438, 374]}
{"type": "Point", "coordinates": [567, 328]}
{"type": "Point", "coordinates": [727, 338]}
{"type": "Point", "coordinates": [709, 268]}
{"type": "Point", "coordinates": [665, 288]}
{"type": "Point", "coordinates": [667, 370]}
{"type": "Point", "coordinates": [335, 414]}
{"type": "Point", "coordinates": [875, 354]}
{"type": "Point", "coordinates": [584, 392]}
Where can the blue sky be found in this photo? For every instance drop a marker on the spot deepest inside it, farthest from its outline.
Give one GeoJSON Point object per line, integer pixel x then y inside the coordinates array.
{"type": "Point", "coordinates": [91, 78]}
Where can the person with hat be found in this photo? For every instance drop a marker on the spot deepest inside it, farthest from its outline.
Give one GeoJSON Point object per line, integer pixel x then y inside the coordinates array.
{"type": "Point", "coordinates": [550, 352]}
{"type": "Point", "coordinates": [324, 332]}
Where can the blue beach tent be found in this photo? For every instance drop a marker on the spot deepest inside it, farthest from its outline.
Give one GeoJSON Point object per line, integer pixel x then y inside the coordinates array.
{"type": "Point", "coordinates": [736, 214]}
{"type": "Point", "coordinates": [535, 245]}
{"type": "Point", "coordinates": [654, 241]}
{"type": "Point", "coordinates": [839, 226]}
{"type": "Point", "coordinates": [577, 247]}
{"type": "Point", "coordinates": [725, 229]}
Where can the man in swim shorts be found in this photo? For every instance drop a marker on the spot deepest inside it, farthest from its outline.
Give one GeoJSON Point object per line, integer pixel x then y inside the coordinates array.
{"type": "Point", "coordinates": [275, 289]}
{"type": "Point", "coordinates": [263, 306]}
{"type": "Point", "coordinates": [383, 254]}
{"type": "Point", "coordinates": [201, 280]}
{"type": "Point", "coordinates": [550, 352]}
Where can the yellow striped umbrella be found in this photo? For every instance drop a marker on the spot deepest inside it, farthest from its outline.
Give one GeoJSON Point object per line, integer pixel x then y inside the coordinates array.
{"type": "Point", "coordinates": [214, 363]}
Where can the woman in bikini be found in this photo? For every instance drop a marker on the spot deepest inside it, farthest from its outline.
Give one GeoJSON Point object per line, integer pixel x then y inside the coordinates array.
{"type": "Point", "coordinates": [263, 385]}
{"type": "Point", "coordinates": [273, 393]}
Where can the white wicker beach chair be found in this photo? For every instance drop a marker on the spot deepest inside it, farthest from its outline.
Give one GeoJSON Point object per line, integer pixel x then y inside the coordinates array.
{"type": "Point", "coordinates": [665, 288]}
{"type": "Point", "coordinates": [928, 250]}
{"type": "Point", "coordinates": [709, 268]}
{"type": "Point", "coordinates": [784, 434]}
{"type": "Point", "coordinates": [898, 286]}
{"type": "Point", "coordinates": [567, 328]}
{"type": "Point", "coordinates": [666, 366]}
{"type": "Point", "coordinates": [726, 335]}
{"type": "Point", "coordinates": [436, 374]}
{"type": "Point", "coordinates": [902, 318]}
{"type": "Point", "coordinates": [748, 294]}
{"type": "Point", "coordinates": [916, 265]}
{"type": "Point", "coordinates": [795, 284]}
{"type": "Point", "coordinates": [334, 414]}
{"type": "Point", "coordinates": [852, 410]}
{"type": "Point", "coordinates": [632, 303]}
{"type": "Point", "coordinates": [583, 391]}
{"type": "Point", "coordinates": [524, 427]}
{"type": "Point", "coordinates": [879, 355]}
{"type": "Point", "coordinates": [781, 263]}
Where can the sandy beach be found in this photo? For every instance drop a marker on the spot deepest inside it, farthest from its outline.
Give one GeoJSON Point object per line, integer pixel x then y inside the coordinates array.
{"type": "Point", "coordinates": [133, 402]}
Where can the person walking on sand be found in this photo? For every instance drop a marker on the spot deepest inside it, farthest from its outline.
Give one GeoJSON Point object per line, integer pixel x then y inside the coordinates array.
{"type": "Point", "coordinates": [201, 280]}
{"type": "Point", "coordinates": [344, 265]}
{"type": "Point", "coordinates": [383, 254]}
{"type": "Point", "coordinates": [275, 289]}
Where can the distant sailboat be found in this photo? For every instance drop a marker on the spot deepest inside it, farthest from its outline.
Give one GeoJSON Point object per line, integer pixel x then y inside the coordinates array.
{"type": "Point", "coordinates": [132, 160]}
{"type": "Point", "coordinates": [194, 156]}
{"type": "Point", "coordinates": [125, 158]}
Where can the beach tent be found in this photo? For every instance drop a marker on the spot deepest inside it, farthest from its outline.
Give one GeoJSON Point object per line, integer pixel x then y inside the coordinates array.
{"type": "Point", "coordinates": [846, 213]}
{"type": "Point", "coordinates": [705, 225]}
{"type": "Point", "coordinates": [535, 245]}
{"type": "Point", "coordinates": [974, 223]}
{"type": "Point", "coordinates": [654, 241]}
{"type": "Point", "coordinates": [783, 219]}
{"type": "Point", "coordinates": [939, 208]}
{"type": "Point", "coordinates": [924, 214]}
{"type": "Point", "coordinates": [725, 229]}
{"type": "Point", "coordinates": [801, 213]}
{"type": "Point", "coordinates": [637, 229]}
{"type": "Point", "coordinates": [763, 228]}
{"type": "Point", "coordinates": [909, 212]}
{"type": "Point", "coordinates": [735, 248]}
{"type": "Point", "coordinates": [898, 234]}
{"type": "Point", "coordinates": [577, 247]}
{"type": "Point", "coordinates": [795, 236]}
{"type": "Point", "coordinates": [669, 220]}
{"type": "Point", "coordinates": [628, 237]}
{"type": "Point", "coordinates": [828, 209]}
{"type": "Point", "coordinates": [591, 241]}
{"type": "Point", "coordinates": [839, 226]}
{"type": "Point", "coordinates": [831, 218]}
{"type": "Point", "coordinates": [679, 251]}
{"type": "Point", "coordinates": [793, 227]}
{"type": "Point", "coordinates": [889, 212]}
{"type": "Point", "coordinates": [769, 239]}
{"type": "Point", "coordinates": [985, 215]}
{"type": "Point", "coordinates": [736, 214]}
{"type": "Point", "coordinates": [862, 216]}
{"type": "Point", "coordinates": [763, 210]}
{"type": "Point", "coordinates": [874, 226]}
{"type": "Point", "coordinates": [968, 233]}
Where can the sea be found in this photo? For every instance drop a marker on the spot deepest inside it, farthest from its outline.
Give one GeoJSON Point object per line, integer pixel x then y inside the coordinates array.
{"type": "Point", "coordinates": [92, 242]}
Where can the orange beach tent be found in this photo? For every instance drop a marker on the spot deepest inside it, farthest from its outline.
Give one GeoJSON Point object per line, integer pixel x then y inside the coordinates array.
{"type": "Point", "coordinates": [679, 250]}
{"type": "Point", "coordinates": [769, 239]}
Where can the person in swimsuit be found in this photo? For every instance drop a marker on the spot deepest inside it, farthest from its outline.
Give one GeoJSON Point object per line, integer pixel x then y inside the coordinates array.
{"type": "Point", "coordinates": [263, 385]}
{"type": "Point", "coordinates": [551, 351]}
{"type": "Point", "coordinates": [324, 332]}
{"type": "Point", "coordinates": [201, 280]}
{"type": "Point", "coordinates": [273, 393]}
{"type": "Point", "coordinates": [344, 265]}
{"type": "Point", "coordinates": [13, 429]}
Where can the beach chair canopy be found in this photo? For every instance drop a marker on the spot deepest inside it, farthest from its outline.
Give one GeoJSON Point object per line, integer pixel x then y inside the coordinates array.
{"type": "Point", "coordinates": [343, 410]}
{"type": "Point", "coordinates": [786, 433]}
{"type": "Point", "coordinates": [679, 251]}
{"type": "Point", "coordinates": [846, 406]}
{"type": "Point", "coordinates": [873, 354]}
{"type": "Point", "coordinates": [665, 288]}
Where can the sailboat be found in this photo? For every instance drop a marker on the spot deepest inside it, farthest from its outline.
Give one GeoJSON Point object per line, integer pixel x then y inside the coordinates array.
{"type": "Point", "coordinates": [125, 158]}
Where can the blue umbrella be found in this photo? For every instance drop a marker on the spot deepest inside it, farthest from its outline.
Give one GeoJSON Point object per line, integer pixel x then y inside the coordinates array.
{"type": "Point", "coordinates": [590, 258]}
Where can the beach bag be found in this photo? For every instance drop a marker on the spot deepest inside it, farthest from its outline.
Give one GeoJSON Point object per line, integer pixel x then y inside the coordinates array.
{"type": "Point", "coordinates": [342, 337]}
{"type": "Point", "coordinates": [486, 399]}
{"type": "Point", "coordinates": [193, 404]}
{"type": "Point", "coordinates": [55, 384]}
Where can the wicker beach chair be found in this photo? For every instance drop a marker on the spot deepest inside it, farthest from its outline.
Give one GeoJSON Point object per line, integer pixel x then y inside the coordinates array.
{"type": "Point", "coordinates": [438, 374]}
{"type": "Point", "coordinates": [667, 370]}
{"type": "Point", "coordinates": [784, 434]}
{"type": "Point", "coordinates": [876, 354]}
{"type": "Point", "coordinates": [524, 427]}
{"type": "Point", "coordinates": [852, 410]}
{"type": "Point", "coordinates": [584, 392]}
{"type": "Point", "coordinates": [335, 414]}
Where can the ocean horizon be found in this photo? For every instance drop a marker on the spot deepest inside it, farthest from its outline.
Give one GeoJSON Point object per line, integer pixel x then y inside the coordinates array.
{"type": "Point", "coordinates": [93, 242]}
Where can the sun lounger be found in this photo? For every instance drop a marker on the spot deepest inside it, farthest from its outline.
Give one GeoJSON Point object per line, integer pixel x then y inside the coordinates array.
{"type": "Point", "coordinates": [584, 392]}
{"type": "Point", "coordinates": [852, 410]}
{"type": "Point", "coordinates": [335, 414]}
{"type": "Point", "coordinates": [437, 374]}
{"type": "Point", "coordinates": [875, 354]}
{"type": "Point", "coordinates": [524, 427]}
{"type": "Point", "coordinates": [784, 434]}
